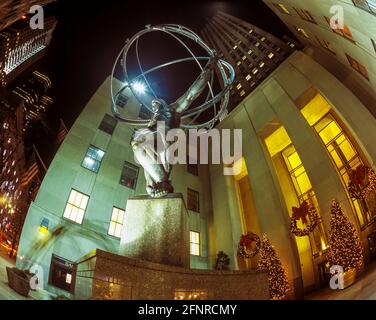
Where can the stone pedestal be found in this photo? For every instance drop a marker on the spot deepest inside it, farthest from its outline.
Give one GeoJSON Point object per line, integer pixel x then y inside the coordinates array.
{"type": "Point", "coordinates": [156, 230]}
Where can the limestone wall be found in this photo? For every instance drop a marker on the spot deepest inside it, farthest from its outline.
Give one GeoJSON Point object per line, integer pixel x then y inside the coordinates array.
{"type": "Point", "coordinates": [102, 275]}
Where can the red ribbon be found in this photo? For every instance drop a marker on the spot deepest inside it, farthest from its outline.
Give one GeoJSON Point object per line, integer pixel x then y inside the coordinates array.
{"type": "Point", "coordinates": [358, 175]}
{"type": "Point", "coordinates": [246, 240]}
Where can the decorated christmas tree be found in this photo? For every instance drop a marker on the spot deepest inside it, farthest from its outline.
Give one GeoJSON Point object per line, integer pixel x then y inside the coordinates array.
{"type": "Point", "coordinates": [345, 249]}
{"type": "Point", "coordinates": [270, 262]}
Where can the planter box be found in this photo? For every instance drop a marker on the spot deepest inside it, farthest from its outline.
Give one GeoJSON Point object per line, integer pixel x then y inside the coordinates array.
{"type": "Point", "coordinates": [349, 278]}
{"type": "Point", "coordinates": [18, 283]}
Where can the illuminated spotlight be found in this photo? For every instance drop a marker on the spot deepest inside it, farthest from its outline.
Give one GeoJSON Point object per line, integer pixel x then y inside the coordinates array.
{"type": "Point", "coordinates": [139, 87]}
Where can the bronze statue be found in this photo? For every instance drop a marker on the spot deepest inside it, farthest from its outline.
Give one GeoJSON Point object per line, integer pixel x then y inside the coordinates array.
{"type": "Point", "coordinates": [144, 141]}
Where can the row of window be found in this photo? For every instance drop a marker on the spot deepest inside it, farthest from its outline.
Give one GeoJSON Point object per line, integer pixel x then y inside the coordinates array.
{"type": "Point", "coordinates": [368, 5]}
{"type": "Point", "coordinates": [77, 204]}
{"type": "Point", "coordinates": [345, 32]}
{"type": "Point", "coordinates": [94, 156]}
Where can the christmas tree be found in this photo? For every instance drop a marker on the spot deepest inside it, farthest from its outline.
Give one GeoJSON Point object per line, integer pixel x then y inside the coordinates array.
{"type": "Point", "coordinates": [270, 262]}
{"type": "Point", "coordinates": [345, 249]}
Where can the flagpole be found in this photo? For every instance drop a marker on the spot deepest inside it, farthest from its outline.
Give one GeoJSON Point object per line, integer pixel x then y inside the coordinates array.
{"type": "Point", "coordinates": [39, 157]}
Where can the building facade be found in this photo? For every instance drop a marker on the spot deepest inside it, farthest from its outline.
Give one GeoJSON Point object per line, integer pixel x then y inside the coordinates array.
{"type": "Point", "coordinates": [34, 91]}
{"type": "Point", "coordinates": [81, 202]}
{"type": "Point", "coordinates": [347, 50]}
{"type": "Point", "coordinates": [12, 161]}
{"type": "Point", "coordinates": [253, 52]}
{"type": "Point", "coordinates": [21, 46]}
{"type": "Point", "coordinates": [303, 133]}
{"type": "Point", "coordinates": [13, 10]}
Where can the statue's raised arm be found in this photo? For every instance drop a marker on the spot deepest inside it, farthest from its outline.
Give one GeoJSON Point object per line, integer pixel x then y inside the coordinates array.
{"type": "Point", "coordinates": [197, 87]}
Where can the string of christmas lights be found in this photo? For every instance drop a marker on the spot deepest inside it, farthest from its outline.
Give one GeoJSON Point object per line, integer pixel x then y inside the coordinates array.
{"type": "Point", "coordinates": [345, 247]}
{"type": "Point", "coordinates": [277, 276]}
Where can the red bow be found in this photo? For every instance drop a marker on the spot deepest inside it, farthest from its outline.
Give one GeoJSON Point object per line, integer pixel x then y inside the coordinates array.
{"type": "Point", "coordinates": [301, 212]}
{"type": "Point", "coordinates": [358, 175]}
{"type": "Point", "coordinates": [246, 240]}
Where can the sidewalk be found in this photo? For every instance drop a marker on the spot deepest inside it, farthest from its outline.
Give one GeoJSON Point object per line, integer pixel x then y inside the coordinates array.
{"type": "Point", "coordinates": [363, 289]}
{"type": "Point", "coordinates": [6, 293]}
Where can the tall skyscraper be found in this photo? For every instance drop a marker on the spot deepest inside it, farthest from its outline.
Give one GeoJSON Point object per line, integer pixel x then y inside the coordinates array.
{"type": "Point", "coordinates": [13, 10]}
{"type": "Point", "coordinates": [253, 52]}
{"type": "Point", "coordinates": [21, 46]}
{"type": "Point", "coordinates": [34, 92]}
{"type": "Point", "coordinates": [348, 51]}
{"type": "Point", "coordinates": [11, 155]}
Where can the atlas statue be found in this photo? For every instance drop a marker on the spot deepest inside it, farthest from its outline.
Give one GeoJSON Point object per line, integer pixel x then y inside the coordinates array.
{"type": "Point", "coordinates": [179, 114]}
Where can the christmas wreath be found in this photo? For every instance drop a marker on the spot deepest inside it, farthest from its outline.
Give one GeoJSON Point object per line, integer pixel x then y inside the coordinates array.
{"type": "Point", "coordinates": [302, 213]}
{"type": "Point", "coordinates": [362, 182]}
{"type": "Point", "coordinates": [245, 249]}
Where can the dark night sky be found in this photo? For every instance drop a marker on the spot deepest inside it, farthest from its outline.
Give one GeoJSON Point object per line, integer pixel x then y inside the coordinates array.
{"type": "Point", "coordinates": [89, 35]}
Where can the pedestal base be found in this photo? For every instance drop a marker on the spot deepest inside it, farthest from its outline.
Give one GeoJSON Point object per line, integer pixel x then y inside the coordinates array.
{"type": "Point", "coordinates": [156, 230]}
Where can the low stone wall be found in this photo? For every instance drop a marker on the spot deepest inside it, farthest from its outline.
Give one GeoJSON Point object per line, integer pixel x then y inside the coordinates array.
{"type": "Point", "coordinates": [103, 275]}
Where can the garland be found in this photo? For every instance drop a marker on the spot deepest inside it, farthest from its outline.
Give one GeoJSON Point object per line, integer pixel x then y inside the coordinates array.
{"type": "Point", "coordinates": [362, 182]}
{"type": "Point", "coordinates": [302, 213]}
{"type": "Point", "coordinates": [245, 250]}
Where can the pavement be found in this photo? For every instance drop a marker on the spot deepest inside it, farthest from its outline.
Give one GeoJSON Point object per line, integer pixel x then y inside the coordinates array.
{"type": "Point", "coordinates": [363, 289]}
{"type": "Point", "coordinates": [6, 293]}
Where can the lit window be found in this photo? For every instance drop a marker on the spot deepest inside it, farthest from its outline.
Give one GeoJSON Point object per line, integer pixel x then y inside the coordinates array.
{"type": "Point", "coordinates": [242, 93]}
{"type": "Point", "coordinates": [234, 47]}
{"type": "Point", "coordinates": [248, 77]}
{"type": "Point", "coordinates": [129, 175]}
{"type": "Point", "coordinates": [257, 44]}
{"type": "Point", "coordinates": [341, 149]}
{"type": "Point", "coordinates": [239, 86]}
{"type": "Point", "coordinates": [244, 57]}
{"type": "Point", "coordinates": [116, 223]}
{"type": "Point", "coordinates": [238, 63]}
{"type": "Point", "coordinates": [344, 32]}
{"type": "Point", "coordinates": [93, 158]}
{"type": "Point", "coordinates": [108, 124]}
{"type": "Point", "coordinates": [271, 55]}
{"type": "Point", "coordinates": [191, 294]}
{"type": "Point", "coordinates": [250, 31]}
{"type": "Point", "coordinates": [193, 202]}
{"type": "Point", "coordinates": [295, 181]}
{"type": "Point", "coordinates": [263, 39]}
{"type": "Point", "coordinates": [281, 8]}
{"type": "Point", "coordinates": [76, 206]}
{"type": "Point", "coordinates": [302, 32]}
{"type": "Point", "coordinates": [250, 51]}
{"type": "Point", "coordinates": [262, 63]}
{"type": "Point", "coordinates": [255, 70]}
{"type": "Point", "coordinates": [358, 66]}
{"type": "Point", "coordinates": [194, 243]}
